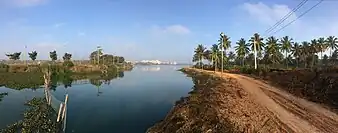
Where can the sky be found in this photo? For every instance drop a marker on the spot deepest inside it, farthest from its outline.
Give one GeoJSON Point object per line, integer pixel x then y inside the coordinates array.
{"type": "Point", "coordinates": [150, 29]}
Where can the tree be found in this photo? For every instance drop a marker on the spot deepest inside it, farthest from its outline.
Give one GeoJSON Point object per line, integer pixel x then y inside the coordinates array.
{"type": "Point", "coordinates": [199, 53]}
{"type": "Point", "coordinates": [272, 50]}
{"type": "Point", "coordinates": [241, 49]}
{"type": "Point", "coordinates": [256, 45]}
{"type": "Point", "coordinates": [53, 55]}
{"type": "Point", "coordinates": [224, 43]}
{"type": "Point", "coordinates": [215, 55]}
{"type": "Point", "coordinates": [322, 46]}
{"type": "Point", "coordinates": [286, 43]}
{"type": "Point", "coordinates": [296, 51]}
{"type": "Point", "coordinates": [332, 43]}
{"type": "Point", "coordinates": [67, 57]}
{"type": "Point", "coordinates": [14, 56]}
{"type": "Point", "coordinates": [33, 55]}
{"type": "Point", "coordinates": [231, 56]}
{"type": "Point", "coordinates": [94, 56]}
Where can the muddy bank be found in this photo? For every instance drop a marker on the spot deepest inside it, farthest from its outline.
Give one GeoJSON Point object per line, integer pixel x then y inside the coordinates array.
{"type": "Point", "coordinates": [217, 106]}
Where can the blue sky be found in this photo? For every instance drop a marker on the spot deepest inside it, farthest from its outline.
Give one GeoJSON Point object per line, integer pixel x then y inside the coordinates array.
{"type": "Point", "coordinates": [149, 29]}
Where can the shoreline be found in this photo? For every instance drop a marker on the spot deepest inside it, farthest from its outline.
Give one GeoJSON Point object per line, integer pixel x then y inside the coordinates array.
{"type": "Point", "coordinates": [240, 103]}
{"type": "Point", "coordinates": [217, 105]}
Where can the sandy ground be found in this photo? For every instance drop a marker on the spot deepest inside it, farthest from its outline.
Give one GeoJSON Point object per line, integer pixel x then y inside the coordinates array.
{"type": "Point", "coordinates": [294, 114]}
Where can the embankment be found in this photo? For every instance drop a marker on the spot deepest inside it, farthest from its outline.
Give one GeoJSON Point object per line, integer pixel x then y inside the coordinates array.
{"type": "Point", "coordinates": [217, 105]}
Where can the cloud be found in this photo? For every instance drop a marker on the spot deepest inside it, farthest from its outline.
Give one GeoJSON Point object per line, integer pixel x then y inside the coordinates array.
{"type": "Point", "coordinates": [172, 29]}
{"type": "Point", "coordinates": [57, 25]}
{"type": "Point", "coordinates": [310, 26]}
{"type": "Point", "coordinates": [23, 3]}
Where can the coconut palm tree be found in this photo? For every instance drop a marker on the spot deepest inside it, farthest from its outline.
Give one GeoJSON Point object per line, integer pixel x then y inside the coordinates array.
{"type": "Point", "coordinates": [199, 54]}
{"type": "Point", "coordinates": [296, 51]}
{"type": "Point", "coordinates": [322, 47]}
{"type": "Point", "coordinates": [215, 55]}
{"type": "Point", "coordinates": [286, 43]}
{"type": "Point", "coordinates": [305, 52]}
{"type": "Point", "coordinates": [224, 43]}
{"type": "Point", "coordinates": [231, 56]}
{"type": "Point", "coordinates": [242, 49]}
{"type": "Point", "coordinates": [314, 48]}
{"type": "Point", "coordinates": [272, 50]}
{"type": "Point", "coordinates": [332, 43]}
{"type": "Point", "coordinates": [256, 45]}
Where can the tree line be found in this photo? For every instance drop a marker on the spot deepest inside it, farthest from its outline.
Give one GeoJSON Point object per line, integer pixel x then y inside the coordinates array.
{"type": "Point", "coordinates": [33, 56]}
{"type": "Point", "coordinates": [274, 52]}
{"type": "Point", "coordinates": [95, 57]}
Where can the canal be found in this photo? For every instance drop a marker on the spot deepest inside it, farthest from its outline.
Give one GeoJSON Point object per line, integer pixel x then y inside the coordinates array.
{"type": "Point", "coordinates": [129, 104]}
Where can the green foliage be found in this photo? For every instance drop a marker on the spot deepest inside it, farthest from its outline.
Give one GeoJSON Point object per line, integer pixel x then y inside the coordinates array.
{"type": "Point", "coordinates": [67, 64]}
{"type": "Point", "coordinates": [67, 57]}
{"type": "Point", "coordinates": [33, 55]}
{"type": "Point", "coordinates": [53, 55]}
{"type": "Point", "coordinates": [4, 67]}
{"type": "Point", "coordinates": [39, 117]}
{"type": "Point", "coordinates": [14, 56]}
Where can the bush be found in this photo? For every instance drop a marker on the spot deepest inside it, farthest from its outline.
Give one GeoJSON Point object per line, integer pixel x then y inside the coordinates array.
{"type": "Point", "coordinates": [68, 64]}
{"type": "Point", "coordinates": [4, 67]}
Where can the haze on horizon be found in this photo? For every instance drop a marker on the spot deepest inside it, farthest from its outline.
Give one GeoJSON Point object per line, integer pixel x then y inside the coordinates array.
{"type": "Point", "coordinates": [149, 29]}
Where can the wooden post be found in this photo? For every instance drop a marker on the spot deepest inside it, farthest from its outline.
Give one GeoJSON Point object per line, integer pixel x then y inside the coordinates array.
{"type": "Point", "coordinates": [65, 107]}
{"type": "Point", "coordinates": [59, 114]}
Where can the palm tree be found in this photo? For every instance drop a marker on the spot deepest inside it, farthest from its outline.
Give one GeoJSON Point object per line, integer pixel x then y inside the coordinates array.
{"type": "Point", "coordinates": [272, 50]}
{"type": "Point", "coordinates": [199, 53]}
{"type": "Point", "coordinates": [224, 44]}
{"type": "Point", "coordinates": [332, 43]}
{"type": "Point", "coordinates": [256, 45]}
{"type": "Point", "coordinates": [296, 51]}
{"type": "Point", "coordinates": [242, 49]}
{"type": "Point", "coordinates": [214, 54]}
{"type": "Point", "coordinates": [314, 48]}
{"type": "Point", "coordinates": [286, 46]}
{"type": "Point", "coordinates": [322, 47]}
{"type": "Point", "coordinates": [305, 52]}
{"type": "Point", "coordinates": [231, 56]}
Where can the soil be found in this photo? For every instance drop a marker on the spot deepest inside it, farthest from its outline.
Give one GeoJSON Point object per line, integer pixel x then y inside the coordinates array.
{"type": "Point", "coordinates": [237, 103]}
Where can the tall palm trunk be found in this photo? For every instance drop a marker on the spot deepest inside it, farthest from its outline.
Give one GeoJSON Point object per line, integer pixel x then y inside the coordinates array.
{"type": "Point", "coordinates": [286, 61]}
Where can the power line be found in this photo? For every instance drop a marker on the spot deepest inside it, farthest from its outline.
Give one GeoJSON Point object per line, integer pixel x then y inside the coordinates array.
{"type": "Point", "coordinates": [298, 17]}
{"type": "Point", "coordinates": [286, 16]}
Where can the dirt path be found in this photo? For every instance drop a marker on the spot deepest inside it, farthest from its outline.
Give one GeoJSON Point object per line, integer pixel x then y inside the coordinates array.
{"type": "Point", "coordinates": [298, 114]}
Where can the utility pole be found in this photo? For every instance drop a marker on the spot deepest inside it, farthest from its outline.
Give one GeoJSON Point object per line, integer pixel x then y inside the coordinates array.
{"type": "Point", "coordinates": [255, 48]}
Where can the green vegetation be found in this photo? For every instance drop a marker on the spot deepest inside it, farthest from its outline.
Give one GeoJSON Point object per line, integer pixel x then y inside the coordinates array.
{"type": "Point", "coordinates": [273, 52]}
{"type": "Point", "coordinates": [38, 118]}
{"type": "Point", "coordinates": [301, 68]}
{"type": "Point", "coordinates": [53, 55]}
{"type": "Point", "coordinates": [33, 55]}
{"type": "Point", "coordinates": [14, 56]}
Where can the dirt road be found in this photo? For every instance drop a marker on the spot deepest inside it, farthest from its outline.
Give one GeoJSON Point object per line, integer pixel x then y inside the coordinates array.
{"type": "Point", "coordinates": [299, 115]}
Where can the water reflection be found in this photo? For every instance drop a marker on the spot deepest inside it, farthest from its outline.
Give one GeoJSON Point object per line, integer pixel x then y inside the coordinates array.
{"type": "Point", "coordinates": [2, 95]}
{"type": "Point", "coordinates": [151, 68]}
{"type": "Point", "coordinates": [19, 81]}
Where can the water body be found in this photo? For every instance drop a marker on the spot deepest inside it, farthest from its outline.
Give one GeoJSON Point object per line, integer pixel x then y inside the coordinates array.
{"type": "Point", "coordinates": [124, 105]}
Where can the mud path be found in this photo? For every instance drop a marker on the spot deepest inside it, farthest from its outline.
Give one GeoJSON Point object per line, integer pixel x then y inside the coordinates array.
{"type": "Point", "coordinates": [299, 115]}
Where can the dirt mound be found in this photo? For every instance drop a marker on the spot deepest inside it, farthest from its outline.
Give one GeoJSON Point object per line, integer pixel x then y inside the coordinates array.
{"type": "Point", "coordinates": [320, 86]}
{"type": "Point", "coordinates": [217, 106]}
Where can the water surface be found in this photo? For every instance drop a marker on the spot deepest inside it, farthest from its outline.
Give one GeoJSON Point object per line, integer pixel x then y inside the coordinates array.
{"type": "Point", "coordinates": [124, 105]}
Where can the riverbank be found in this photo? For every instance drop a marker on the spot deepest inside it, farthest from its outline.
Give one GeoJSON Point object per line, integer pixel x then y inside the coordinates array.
{"type": "Point", "coordinates": [217, 105]}
{"type": "Point", "coordinates": [237, 103]}
{"type": "Point", "coordinates": [76, 68]}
